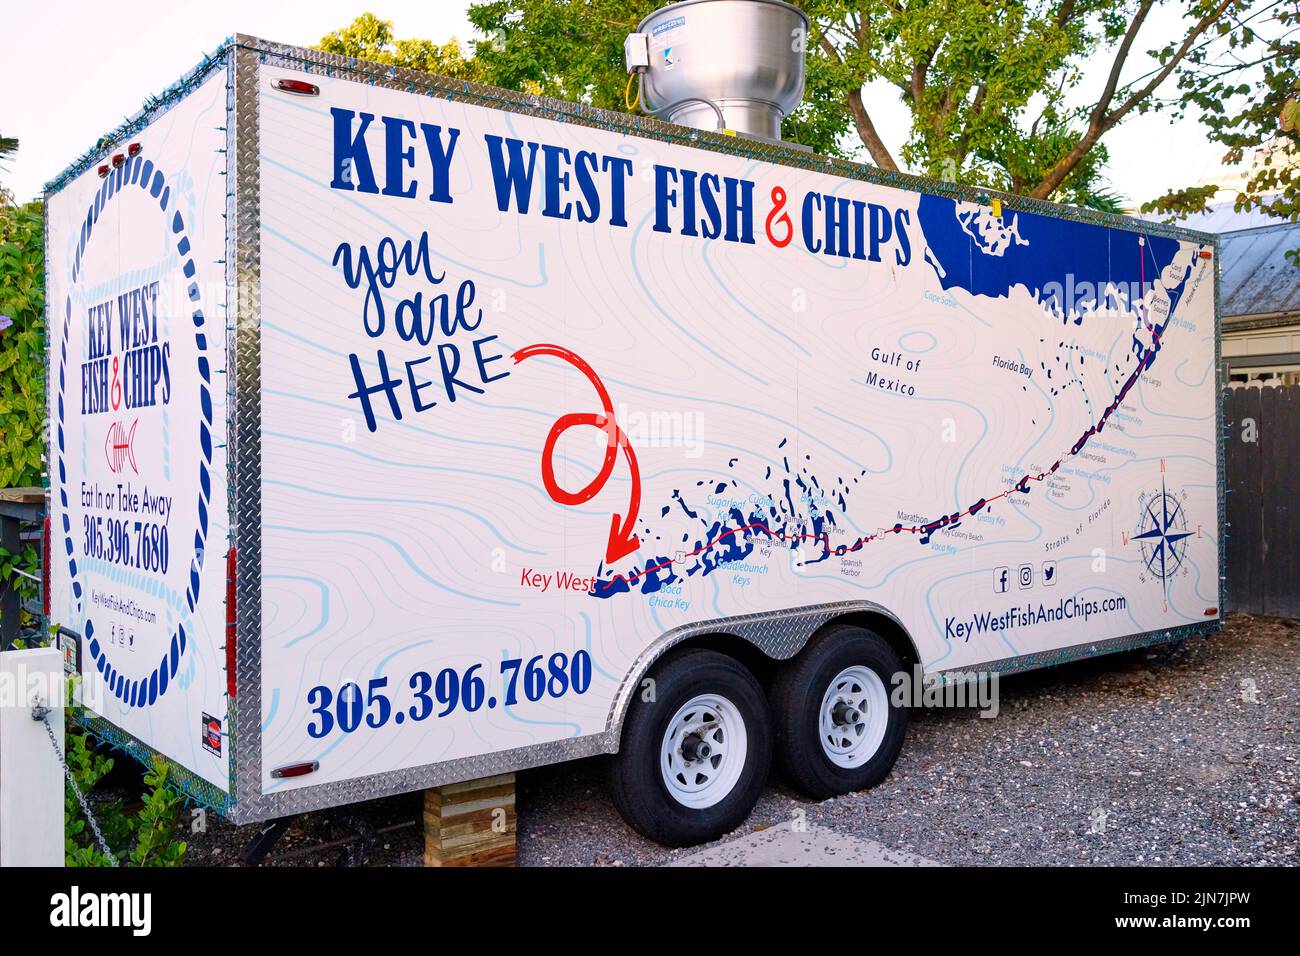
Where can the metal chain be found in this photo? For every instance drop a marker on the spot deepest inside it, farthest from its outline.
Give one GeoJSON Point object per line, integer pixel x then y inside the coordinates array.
{"type": "Point", "coordinates": [42, 714]}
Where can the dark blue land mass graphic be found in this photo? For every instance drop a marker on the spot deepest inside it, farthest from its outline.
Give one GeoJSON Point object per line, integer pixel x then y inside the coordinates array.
{"type": "Point", "coordinates": [1054, 254]}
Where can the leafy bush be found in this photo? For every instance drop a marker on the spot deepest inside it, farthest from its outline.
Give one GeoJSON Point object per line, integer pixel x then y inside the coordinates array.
{"type": "Point", "coordinates": [22, 333]}
{"type": "Point", "coordinates": [148, 836]}
{"type": "Point", "coordinates": [22, 364]}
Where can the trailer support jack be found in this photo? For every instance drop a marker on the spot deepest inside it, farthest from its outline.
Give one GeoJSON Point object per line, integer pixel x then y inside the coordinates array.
{"type": "Point", "coordinates": [268, 834]}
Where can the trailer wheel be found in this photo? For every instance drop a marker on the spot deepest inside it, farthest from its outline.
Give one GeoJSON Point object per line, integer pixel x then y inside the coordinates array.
{"type": "Point", "coordinates": [836, 728]}
{"type": "Point", "coordinates": [694, 759]}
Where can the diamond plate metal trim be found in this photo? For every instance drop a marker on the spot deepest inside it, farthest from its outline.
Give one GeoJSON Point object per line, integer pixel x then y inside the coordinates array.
{"type": "Point", "coordinates": [358, 789]}
{"type": "Point", "coordinates": [1221, 449]}
{"type": "Point", "coordinates": [778, 634]}
{"type": "Point", "coordinates": [179, 778]}
{"type": "Point", "coordinates": [244, 426]}
{"type": "Point", "coordinates": [1066, 655]}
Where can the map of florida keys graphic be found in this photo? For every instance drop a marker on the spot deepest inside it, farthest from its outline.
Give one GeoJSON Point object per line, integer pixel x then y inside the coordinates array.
{"type": "Point", "coordinates": [951, 232]}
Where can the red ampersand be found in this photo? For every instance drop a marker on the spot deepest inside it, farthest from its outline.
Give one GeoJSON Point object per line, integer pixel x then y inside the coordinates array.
{"type": "Point", "coordinates": [780, 217]}
{"type": "Point", "coordinates": [117, 387]}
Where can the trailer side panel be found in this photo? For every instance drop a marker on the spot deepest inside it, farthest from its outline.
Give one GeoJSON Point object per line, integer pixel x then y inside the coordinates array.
{"type": "Point", "coordinates": [536, 393]}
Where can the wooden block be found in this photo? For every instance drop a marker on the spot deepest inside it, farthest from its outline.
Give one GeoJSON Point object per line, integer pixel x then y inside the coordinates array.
{"type": "Point", "coordinates": [471, 823]}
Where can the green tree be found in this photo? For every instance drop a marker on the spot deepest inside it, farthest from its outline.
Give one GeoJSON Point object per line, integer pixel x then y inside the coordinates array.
{"type": "Point", "coordinates": [994, 90]}
{"type": "Point", "coordinates": [1246, 87]}
{"type": "Point", "coordinates": [369, 38]}
{"type": "Point", "coordinates": [570, 49]}
{"type": "Point", "coordinates": [965, 68]}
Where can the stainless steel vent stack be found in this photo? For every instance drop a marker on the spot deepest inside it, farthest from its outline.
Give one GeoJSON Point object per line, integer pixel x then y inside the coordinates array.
{"type": "Point", "coordinates": [721, 64]}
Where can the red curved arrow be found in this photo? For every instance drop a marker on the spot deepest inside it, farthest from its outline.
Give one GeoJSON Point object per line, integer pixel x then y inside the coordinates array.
{"type": "Point", "coordinates": [622, 541]}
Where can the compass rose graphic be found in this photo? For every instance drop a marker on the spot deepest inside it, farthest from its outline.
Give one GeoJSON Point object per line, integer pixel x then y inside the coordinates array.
{"type": "Point", "coordinates": [1163, 535]}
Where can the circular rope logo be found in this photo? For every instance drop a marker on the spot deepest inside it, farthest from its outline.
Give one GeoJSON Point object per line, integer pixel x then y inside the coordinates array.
{"type": "Point", "coordinates": [120, 442]}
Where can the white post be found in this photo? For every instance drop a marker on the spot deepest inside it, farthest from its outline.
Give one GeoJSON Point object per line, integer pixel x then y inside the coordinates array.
{"type": "Point", "coordinates": [31, 776]}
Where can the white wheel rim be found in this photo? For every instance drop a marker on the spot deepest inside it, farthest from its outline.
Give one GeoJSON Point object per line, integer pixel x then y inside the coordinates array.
{"type": "Point", "coordinates": [853, 717]}
{"type": "Point", "coordinates": [714, 722]}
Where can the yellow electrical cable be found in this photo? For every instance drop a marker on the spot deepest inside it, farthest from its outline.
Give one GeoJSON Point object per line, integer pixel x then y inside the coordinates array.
{"type": "Point", "coordinates": [627, 90]}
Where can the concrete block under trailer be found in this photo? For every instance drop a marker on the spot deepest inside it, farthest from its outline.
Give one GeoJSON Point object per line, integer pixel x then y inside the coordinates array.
{"type": "Point", "coordinates": [405, 431]}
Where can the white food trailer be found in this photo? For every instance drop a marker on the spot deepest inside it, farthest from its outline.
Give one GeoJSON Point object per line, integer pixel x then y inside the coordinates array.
{"type": "Point", "coordinates": [405, 431]}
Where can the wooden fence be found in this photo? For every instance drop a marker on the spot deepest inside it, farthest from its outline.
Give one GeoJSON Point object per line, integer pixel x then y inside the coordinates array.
{"type": "Point", "coordinates": [1263, 465]}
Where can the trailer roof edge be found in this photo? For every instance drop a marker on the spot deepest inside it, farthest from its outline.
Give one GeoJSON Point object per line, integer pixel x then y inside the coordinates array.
{"type": "Point", "coordinates": [645, 126]}
{"type": "Point", "coordinates": [152, 108]}
{"type": "Point", "coordinates": [649, 127]}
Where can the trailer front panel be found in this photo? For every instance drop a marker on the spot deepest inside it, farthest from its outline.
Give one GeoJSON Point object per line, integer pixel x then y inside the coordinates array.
{"type": "Point", "coordinates": [136, 293]}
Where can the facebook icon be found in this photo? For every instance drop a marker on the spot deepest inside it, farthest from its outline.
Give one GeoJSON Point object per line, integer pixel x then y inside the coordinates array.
{"type": "Point", "coordinates": [1001, 577]}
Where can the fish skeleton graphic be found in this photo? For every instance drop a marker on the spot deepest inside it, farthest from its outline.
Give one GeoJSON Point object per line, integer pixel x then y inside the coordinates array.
{"type": "Point", "coordinates": [119, 446]}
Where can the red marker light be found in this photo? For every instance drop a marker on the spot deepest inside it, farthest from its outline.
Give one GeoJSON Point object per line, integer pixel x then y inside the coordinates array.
{"type": "Point", "coordinates": [134, 149]}
{"type": "Point", "coordinates": [103, 170]}
{"type": "Point", "coordinates": [230, 622]}
{"type": "Point", "coordinates": [300, 87]}
{"type": "Point", "coordinates": [295, 770]}
{"type": "Point", "coordinates": [1211, 612]}
{"type": "Point", "coordinates": [1207, 254]}
{"type": "Point", "coordinates": [118, 160]}
{"type": "Point", "coordinates": [45, 570]}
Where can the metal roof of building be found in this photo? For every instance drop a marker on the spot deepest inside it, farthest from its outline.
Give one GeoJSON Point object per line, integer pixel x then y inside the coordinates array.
{"type": "Point", "coordinates": [1257, 281]}
{"type": "Point", "coordinates": [1222, 217]}
{"type": "Point", "coordinates": [1256, 277]}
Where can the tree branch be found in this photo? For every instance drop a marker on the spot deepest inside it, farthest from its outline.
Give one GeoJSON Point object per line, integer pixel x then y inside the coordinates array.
{"type": "Point", "coordinates": [1117, 67]}
{"type": "Point", "coordinates": [977, 107]}
{"type": "Point", "coordinates": [1169, 67]}
{"type": "Point", "coordinates": [829, 49]}
{"type": "Point", "coordinates": [1103, 117]}
{"type": "Point", "coordinates": [867, 132]}
{"type": "Point", "coordinates": [919, 71]}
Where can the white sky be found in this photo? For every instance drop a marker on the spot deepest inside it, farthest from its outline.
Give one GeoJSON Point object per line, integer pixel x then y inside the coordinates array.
{"type": "Point", "coordinates": [71, 70]}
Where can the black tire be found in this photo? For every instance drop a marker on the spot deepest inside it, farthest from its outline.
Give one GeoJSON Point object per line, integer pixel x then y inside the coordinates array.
{"type": "Point", "coordinates": [636, 782]}
{"type": "Point", "coordinates": [797, 694]}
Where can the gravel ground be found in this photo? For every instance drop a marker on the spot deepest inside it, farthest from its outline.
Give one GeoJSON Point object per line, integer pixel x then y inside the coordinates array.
{"type": "Point", "coordinates": [1162, 751]}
